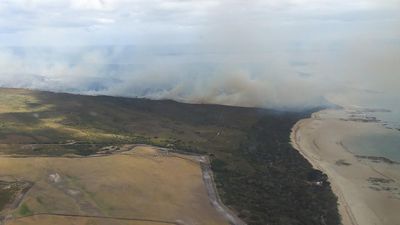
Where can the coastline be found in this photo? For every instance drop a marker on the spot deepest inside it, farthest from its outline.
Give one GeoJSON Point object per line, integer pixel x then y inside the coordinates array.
{"type": "Point", "coordinates": [368, 189]}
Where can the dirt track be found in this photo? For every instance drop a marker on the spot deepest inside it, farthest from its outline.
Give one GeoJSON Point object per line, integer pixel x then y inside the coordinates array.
{"type": "Point", "coordinates": [208, 178]}
{"type": "Point", "coordinates": [215, 200]}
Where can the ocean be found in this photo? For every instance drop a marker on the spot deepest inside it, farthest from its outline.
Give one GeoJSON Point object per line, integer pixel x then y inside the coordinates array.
{"type": "Point", "coordinates": [375, 144]}
{"type": "Point", "coordinates": [382, 109]}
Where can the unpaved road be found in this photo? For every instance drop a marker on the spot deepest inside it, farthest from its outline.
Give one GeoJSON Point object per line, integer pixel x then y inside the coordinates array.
{"type": "Point", "coordinates": [212, 192]}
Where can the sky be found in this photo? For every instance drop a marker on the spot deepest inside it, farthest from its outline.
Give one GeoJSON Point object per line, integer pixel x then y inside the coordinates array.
{"type": "Point", "coordinates": [270, 53]}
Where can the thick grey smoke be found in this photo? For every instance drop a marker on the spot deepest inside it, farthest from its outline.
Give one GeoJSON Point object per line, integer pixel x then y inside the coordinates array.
{"type": "Point", "coordinates": [203, 78]}
{"type": "Point", "coordinates": [282, 54]}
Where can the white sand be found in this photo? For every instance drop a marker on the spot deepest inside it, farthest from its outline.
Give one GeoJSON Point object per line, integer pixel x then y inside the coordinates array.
{"type": "Point", "coordinates": [320, 138]}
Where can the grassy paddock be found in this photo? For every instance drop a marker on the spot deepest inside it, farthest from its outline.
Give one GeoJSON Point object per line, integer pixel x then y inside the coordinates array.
{"type": "Point", "coordinates": [135, 184]}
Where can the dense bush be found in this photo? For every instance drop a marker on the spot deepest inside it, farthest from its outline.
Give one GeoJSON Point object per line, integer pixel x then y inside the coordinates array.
{"type": "Point", "coordinates": [281, 187]}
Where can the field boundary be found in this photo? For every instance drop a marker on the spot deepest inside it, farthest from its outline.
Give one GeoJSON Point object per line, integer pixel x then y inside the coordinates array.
{"type": "Point", "coordinates": [98, 217]}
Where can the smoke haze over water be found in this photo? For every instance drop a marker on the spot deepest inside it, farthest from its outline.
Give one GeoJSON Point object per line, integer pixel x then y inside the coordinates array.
{"type": "Point", "coordinates": [275, 54]}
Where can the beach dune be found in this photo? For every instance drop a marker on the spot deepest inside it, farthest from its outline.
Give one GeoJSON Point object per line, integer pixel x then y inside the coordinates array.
{"type": "Point", "coordinates": [368, 188]}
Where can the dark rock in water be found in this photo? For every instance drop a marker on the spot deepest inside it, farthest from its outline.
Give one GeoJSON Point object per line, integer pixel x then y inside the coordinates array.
{"type": "Point", "coordinates": [377, 159]}
{"type": "Point", "coordinates": [342, 162]}
{"type": "Point", "coordinates": [380, 180]}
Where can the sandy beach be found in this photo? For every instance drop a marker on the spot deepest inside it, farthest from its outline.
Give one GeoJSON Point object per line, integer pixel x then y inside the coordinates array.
{"type": "Point", "coordinates": [368, 189]}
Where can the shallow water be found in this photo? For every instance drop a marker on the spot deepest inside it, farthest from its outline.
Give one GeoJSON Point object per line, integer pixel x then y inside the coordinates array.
{"type": "Point", "coordinates": [385, 107]}
{"type": "Point", "coordinates": [390, 119]}
{"type": "Point", "coordinates": [375, 144]}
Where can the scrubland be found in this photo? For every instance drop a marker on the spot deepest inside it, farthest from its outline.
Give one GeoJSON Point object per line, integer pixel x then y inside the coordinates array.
{"type": "Point", "coordinates": [257, 172]}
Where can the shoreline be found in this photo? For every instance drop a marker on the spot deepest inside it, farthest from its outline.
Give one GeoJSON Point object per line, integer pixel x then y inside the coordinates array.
{"type": "Point", "coordinates": [364, 187]}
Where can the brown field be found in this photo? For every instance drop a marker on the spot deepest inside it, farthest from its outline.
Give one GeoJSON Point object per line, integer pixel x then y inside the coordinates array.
{"type": "Point", "coordinates": [59, 220]}
{"type": "Point", "coordinates": [142, 183]}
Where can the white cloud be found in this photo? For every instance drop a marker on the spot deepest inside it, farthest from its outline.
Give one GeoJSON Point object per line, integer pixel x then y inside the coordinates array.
{"type": "Point", "coordinates": [104, 20]}
{"type": "Point", "coordinates": [102, 5]}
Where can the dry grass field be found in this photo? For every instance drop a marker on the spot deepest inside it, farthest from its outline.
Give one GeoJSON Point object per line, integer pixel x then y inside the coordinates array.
{"type": "Point", "coordinates": [142, 183]}
{"type": "Point", "coordinates": [59, 220]}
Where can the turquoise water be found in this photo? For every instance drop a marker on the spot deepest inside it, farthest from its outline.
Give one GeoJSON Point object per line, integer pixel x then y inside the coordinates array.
{"type": "Point", "coordinates": [385, 145]}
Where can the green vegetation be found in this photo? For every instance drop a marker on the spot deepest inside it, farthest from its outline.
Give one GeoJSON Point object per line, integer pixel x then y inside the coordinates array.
{"type": "Point", "coordinates": [9, 190]}
{"type": "Point", "coordinates": [5, 197]}
{"type": "Point", "coordinates": [51, 149]}
{"type": "Point", "coordinates": [6, 194]}
{"type": "Point", "coordinates": [24, 210]}
{"type": "Point", "coordinates": [258, 173]}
